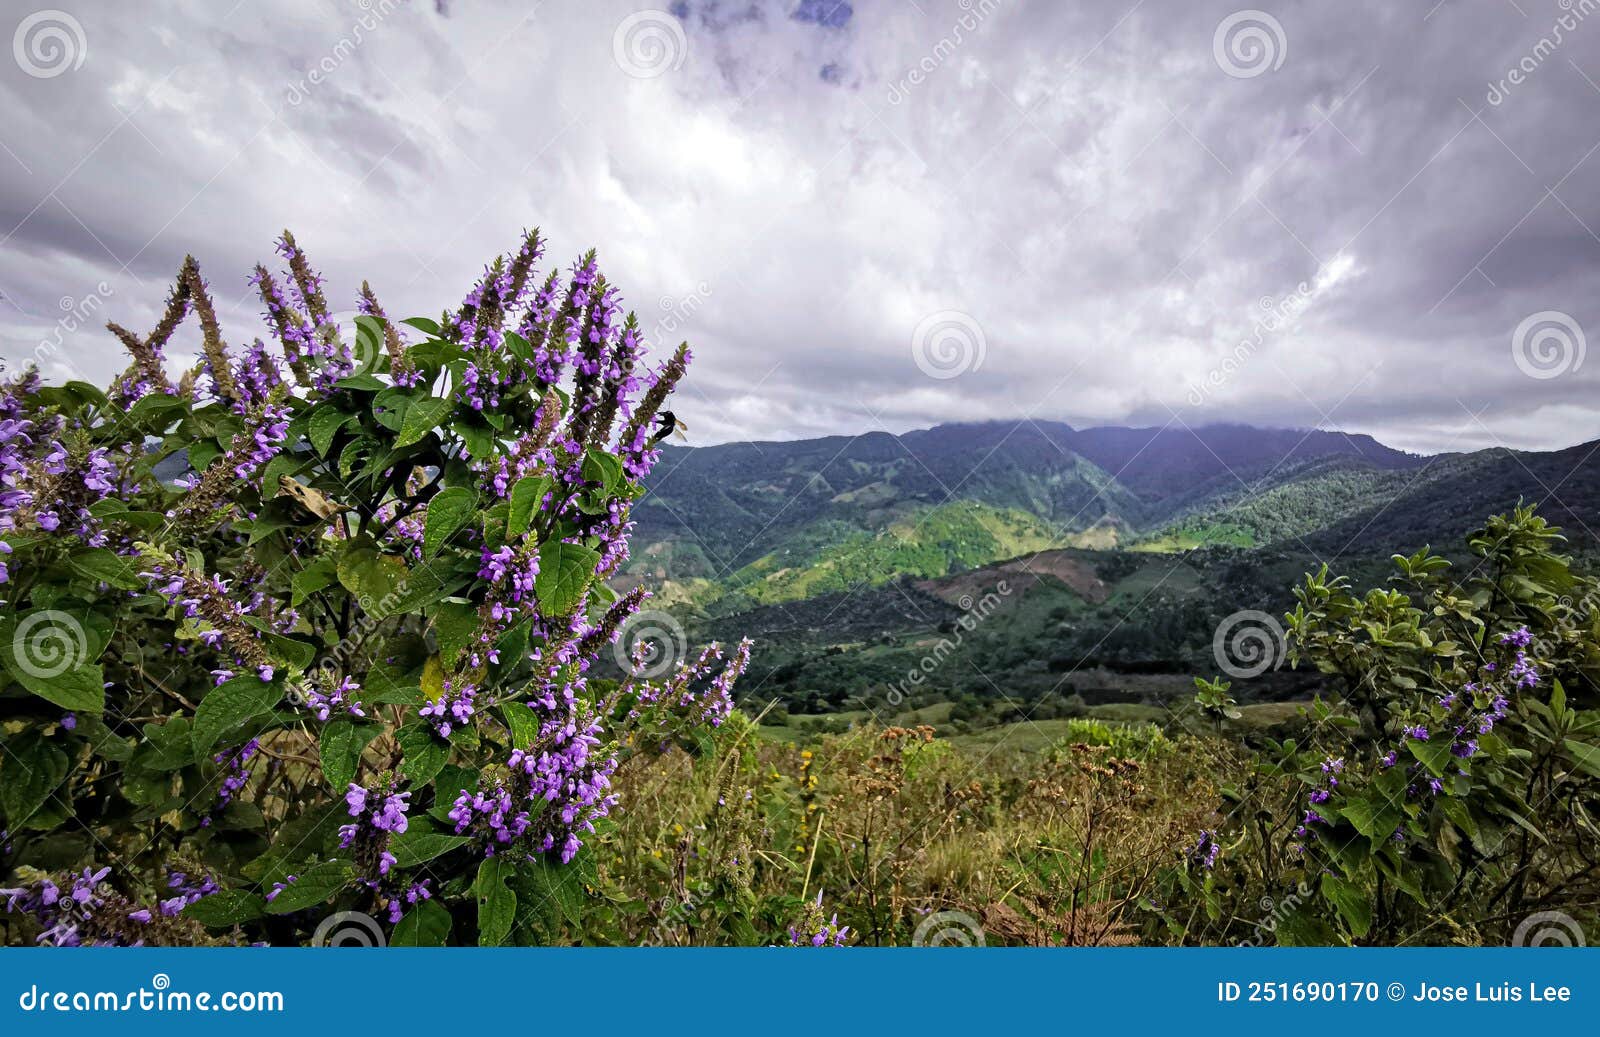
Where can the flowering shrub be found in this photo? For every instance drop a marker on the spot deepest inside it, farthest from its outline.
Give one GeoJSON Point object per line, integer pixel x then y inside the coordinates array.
{"type": "Point", "coordinates": [314, 625]}
{"type": "Point", "coordinates": [1451, 790]}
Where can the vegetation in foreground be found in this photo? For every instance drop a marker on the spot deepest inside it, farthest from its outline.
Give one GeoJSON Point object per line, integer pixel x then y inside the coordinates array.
{"type": "Point", "coordinates": [1447, 794]}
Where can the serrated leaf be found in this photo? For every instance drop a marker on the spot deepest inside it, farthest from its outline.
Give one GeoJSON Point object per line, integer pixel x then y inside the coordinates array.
{"type": "Point", "coordinates": [417, 845]}
{"type": "Point", "coordinates": [1585, 755]}
{"type": "Point", "coordinates": [1352, 903]}
{"type": "Point", "coordinates": [314, 577]}
{"type": "Point", "coordinates": [325, 423]}
{"type": "Point", "coordinates": [521, 722]}
{"type": "Point", "coordinates": [497, 904]}
{"type": "Point", "coordinates": [1434, 754]}
{"type": "Point", "coordinates": [50, 652]}
{"type": "Point", "coordinates": [316, 885]}
{"type": "Point", "coordinates": [1375, 820]}
{"type": "Point", "coordinates": [30, 770]}
{"type": "Point", "coordinates": [456, 624]}
{"type": "Point", "coordinates": [448, 511]}
{"type": "Point", "coordinates": [602, 468]}
{"type": "Point", "coordinates": [565, 571]}
{"type": "Point", "coordinates": [230, 706]}
{"type": "Point", "coordinates": [423, 753]}
{"type": "Point", "coordinates": [526, 495]}
{"type": "Point", "coordinates": [425, 925]}
{"type": "Point", "coordinates": [377, 580]}
{"type": "Point", "coordinates": [105, 566]}
{"type": "Point", "coordinates": [227, 907]}
{"type": "Point", "coordinates": [340, 747]}
{"type": "Point", "coordinates": [421, 418]}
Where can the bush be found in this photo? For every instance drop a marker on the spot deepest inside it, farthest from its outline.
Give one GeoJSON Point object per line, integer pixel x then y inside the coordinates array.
{"type": "Point", "coordinates": [337, 658]}
{"type": "Point", "coordinates": [1450, 792]}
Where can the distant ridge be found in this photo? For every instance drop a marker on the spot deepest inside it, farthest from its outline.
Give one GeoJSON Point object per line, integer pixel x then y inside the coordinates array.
{"type": "Point", "coordinates": [747, 524]}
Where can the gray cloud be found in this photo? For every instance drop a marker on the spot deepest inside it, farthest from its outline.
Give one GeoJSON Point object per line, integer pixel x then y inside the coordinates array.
{"type": "Point", "coordinates": [1111, 208]}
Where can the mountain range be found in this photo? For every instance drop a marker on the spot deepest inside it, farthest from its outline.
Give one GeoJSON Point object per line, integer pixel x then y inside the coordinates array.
{"type": "Point", "coordinates": [746, 524]}
{"type": "Point", "coordinates": [1110, 556]}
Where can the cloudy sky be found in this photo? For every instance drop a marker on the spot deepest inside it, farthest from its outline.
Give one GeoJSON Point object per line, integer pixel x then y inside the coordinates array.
{"type": "Point", "coordinates": [1382, 217]}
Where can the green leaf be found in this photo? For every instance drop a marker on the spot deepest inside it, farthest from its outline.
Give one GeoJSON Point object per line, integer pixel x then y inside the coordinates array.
{"type": "Point", "coordinates": [316, 885]}
{"type": "Point", "coordinates": [166, 747]}
{"type": "Point", "coordinates": [426, 925]}
{"type": "Point", "coordinates": [154, 413]}
{"type": "Point", "coordinates": [421, 418]}
{"type": "Point", "coordinates": [447, 512]}
{"type": "Point", "coordinates": [603, 468]}
{"type": "Point", "coordinates": [456, 623]}
{"type": "Point", "coordinates": [389, 407]}
{"type": "Point", "coordinates": [497, 905]}
{"type": "Point", "coordinates": [1434, 754]}
{"type": "Point", "coordinates": [362, 383]}
{"type": "Point", "coordinates": [341, 746]}
{"type": "Point", "coordinates": [201, 454]}
{"type": "Point", "coordinates": [281, 465]}
{"type": "Point", "coordinates": [1373, 817]}
{"type": "Point", "coordinates": [1352, 903]}
{"type": "Point", "coordinates": [422, 324]}
{"type": "Point", "coordinates": [49, 652]}
{"type": "Point", "coordinates": [377, 579]}
{"type": "Point", "coordinates": [326, 422]}
{"type": "Point", "coordinates": [418, 845]}
{"type": "Point", "coordinates": [565, 571]}
{"type": "Point", "coordinates": [1586, 756]}
{"type": "Point", "coordinates": [526, 496]}
{"type": "Point", "coordinates": [230, 706]}
{"type": "Point", "coordinates": [227, 907]}
{"type": "Point", "coordinates": [289, 651]}
{"type": "Point", "coordinates": [423, 753]}
{"type": "Point", "coordinates": [551, 894]}
{"type": "Point", "coordinates": [477, 436]}
{"type": "Point", "coordinates": [105, 566]}
{"type": "Point", "coordinates": [423, 587]}
{"type": "Point", "coordinates": [521, 722]}
{"type": "Point", "coordinates": [30, 770]}
{"type": "Point", "coordinates": [314, 577]}
{"type": "Point", "coordinates": [87, 393]}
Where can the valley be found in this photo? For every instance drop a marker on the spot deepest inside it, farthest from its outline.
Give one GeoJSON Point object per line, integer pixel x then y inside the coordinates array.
{"type": "Point", "coordinates": [1110, 557]}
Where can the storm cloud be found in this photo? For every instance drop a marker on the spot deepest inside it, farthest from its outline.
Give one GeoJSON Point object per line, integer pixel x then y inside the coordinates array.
{"type": "Point", "coordinates": [1377, 217]}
